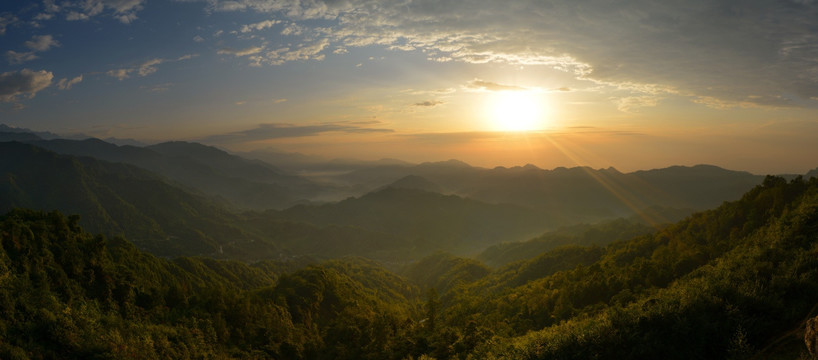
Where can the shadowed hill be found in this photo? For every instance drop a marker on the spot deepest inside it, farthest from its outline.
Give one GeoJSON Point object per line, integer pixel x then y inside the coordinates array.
{"type": "Point", "coordinates": [417, 183]}
{"type": "Point", "coordinates": [584, 234]}
{"type": "Point", "coordinates": [431, 221]}
{"type": "Point", "coordinates": [67, 294]}
{"type": "Point", "coordinates": [243, 183]}
{"type": "Point", "coordinates": [580, 194]}
{"type": "Point", "coordinates": [735, 282]}
{"type": "Point", "coordinates": [116, 198]}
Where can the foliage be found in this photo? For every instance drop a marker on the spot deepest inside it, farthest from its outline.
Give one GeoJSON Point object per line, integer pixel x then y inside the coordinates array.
{"type": "Point", "coordinates": [582, 234]}
{"type": "Point", "coordinates": [67, 294]}
{"type": "Point", "coordinates": [724, 283]}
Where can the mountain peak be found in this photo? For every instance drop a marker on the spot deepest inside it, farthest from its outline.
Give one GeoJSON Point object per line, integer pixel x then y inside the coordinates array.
{"type": "Point", "coordinates": [415, 182]}
{"type": "Point", "coordinates": [448, 163]}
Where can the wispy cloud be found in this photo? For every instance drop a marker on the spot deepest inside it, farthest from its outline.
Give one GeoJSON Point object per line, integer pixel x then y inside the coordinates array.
{"type": "Point", "coordinates": [768, 48]}
{"type": "Point", "coordinates": [41, 43]}
{"type": "Point", "coordinates": [429, 103]}
{"type": "Point", "coordinates": [310, 51]}
{"type": "Point", "coordinates": [241, 52]}
{"type": "Point", "coordinates": [38, 43]}
{"type": "Point", "coordinates": [277, 131]}
{"type": "Point", "coordinates": [261, 25]}
{"type": "Point", "coordinates": [122, 10]}
{"type": "Point", "coordinates": [19, 58]}
{"type": "Point", "coordinates": [65, 84]}
{"type": "Point", "coordinates": [478, 84]}
{"type": "Point", "coordinates": [635, 103]}
{"type": "Point", "coordinates": [5, 21]}
{"type": "Point", "coordinates": [23, 83]}
{"type": "Point", "coordinates": [144, 68]}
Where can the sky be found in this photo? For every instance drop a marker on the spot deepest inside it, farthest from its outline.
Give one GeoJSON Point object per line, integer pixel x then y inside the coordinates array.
{"type": "Point", "coordinates": [633, 84]}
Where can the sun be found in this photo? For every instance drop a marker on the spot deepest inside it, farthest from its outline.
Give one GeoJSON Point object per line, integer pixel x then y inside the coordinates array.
{"type": "Point", "coordinates": [516, 111]}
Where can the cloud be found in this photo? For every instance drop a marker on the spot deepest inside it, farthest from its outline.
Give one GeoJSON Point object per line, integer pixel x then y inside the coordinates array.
{"type": "Point", "coordinates": [159, 88]}
{"type": "Point", "coordinates": [454, 137]}
{"type": "Point", "coordinates": [429, 103]}
{"type": "Point", "coordinates": [5, 21]}
{"type": "Point", "coordinates": [241, 52]}
{"type": "Point", "coordinates": [65, 84]}
{"type": "Point", "coordinates": [23, 83]}
{"type": "Point", "coordinates": [148, 67]}
{"type": "Point", "coordinates": [38, 43]}
{"type": "Point", "coordinates": [259, 25]}
{"type": "Point", "coordinates": [634, 103]}
{"type": "Point", "coordinates": [122, 10]}
{"type": "Point", "coordinates": [277, 131]}
{"type": "Point", "coordinates": [41, 43]}
{"type": "Point", "coordinates": [444, 91]}
{"type": "Point", "coordinates": [479, 84]}
{"type": "Point", "coordinates": [50, 8]}
{"type": "Point", "coordinates": [198, 39]}
{"type": "Point", "coordinates": [293, 30]}
{"type": "Point", "coordinates": [43, 16]}
{"type": "Point", "coordinates": [697, 48]}
{"type": "Point", "coordinates": [145, 68]}
{"type": "Point", "coordinates": [76, 16]}
{"type": "Point", "coordinates": [119, 74]}
{"type": "Point", "coordinates": [19, 58]}
{"type": "Point", "coordinates": [285, 54]}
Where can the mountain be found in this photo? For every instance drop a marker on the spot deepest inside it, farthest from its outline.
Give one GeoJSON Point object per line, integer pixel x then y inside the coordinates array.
{"type": "Point", "coordinates": [583, 234]}
{"type": "Point", "coordinates": [310, 164]}
{"type": "Point", "coordinates": [431, 221]}
{"type": "Point", "coordinates": [571, 195]}
{"type": "Point", "coordinates": [168, 220]}
{"type": "Point", "coordinates": [116, 198]}
{"type": "Point", "coordinates": [242, 183]}
{"type": "Point", "coordinates": [37, 134]}
{"type": "Point", "coordinates": [68, 294]}
{"type": "Point", "coordinates": [735, 282]}
{"type": "Point", "coordinates": [18, 136]}
{"type": "Point", "coordinates": [415, 182]}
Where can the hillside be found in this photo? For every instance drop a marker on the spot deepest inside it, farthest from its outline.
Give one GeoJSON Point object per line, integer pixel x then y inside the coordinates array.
{"type": "Point", "coordinates": [242, 183]}
{"type": "Point", "coordinates": [725, 282]}
{"type": "Point", "coordinates": [67, 294]}
{"type": "Point", "coordinates": [571, 195]}
{"type": "Point", "coordinates": [115, 198]}
{"type": "Point", "coordinates": [734, 282]}
{"type": "Point", "coordinates": [431, 221]}
{"type": "Point", "coordinates": [581, 234]}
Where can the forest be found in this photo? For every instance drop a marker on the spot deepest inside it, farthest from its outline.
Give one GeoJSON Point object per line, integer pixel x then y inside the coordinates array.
{"type": "Point", "coordinates": [409, 179]}
{"type": "Point", "coordinates": [736, 282]}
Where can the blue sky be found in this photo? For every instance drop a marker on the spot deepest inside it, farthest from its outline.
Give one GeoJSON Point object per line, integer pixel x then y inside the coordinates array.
{"type": "Point", "coordinates": [630, 84]}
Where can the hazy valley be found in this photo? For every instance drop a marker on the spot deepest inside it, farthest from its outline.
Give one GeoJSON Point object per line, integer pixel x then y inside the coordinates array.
{"type": "Point", "coordinates": [180, 250]}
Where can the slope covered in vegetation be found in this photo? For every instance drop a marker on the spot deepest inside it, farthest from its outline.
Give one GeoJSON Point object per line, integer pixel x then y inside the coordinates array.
{"type": "Point", "coordinates": [734, 282]}
{"type": "Point", "coordinates": [68, 294]}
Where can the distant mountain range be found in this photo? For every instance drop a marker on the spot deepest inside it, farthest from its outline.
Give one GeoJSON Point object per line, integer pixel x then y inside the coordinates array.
{"type": "Point", "coordinates": [239, 182]}
{"type": "Point", "coordinates": [575, 194]}
{"type": "Point", "coordinates": [735, 281]}
{"type": "Point", "coordinates": [431, 221]}
{"type": "Point", "coordinates": [187, 198]}
{"type": "Point", "coordinates": [120, 199]}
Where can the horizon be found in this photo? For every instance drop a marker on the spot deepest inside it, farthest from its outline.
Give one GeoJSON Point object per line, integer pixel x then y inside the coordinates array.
{"type": "Point", "coordinates": [312, 159]}
{"type": "Point", "coordinates": [587, 83]}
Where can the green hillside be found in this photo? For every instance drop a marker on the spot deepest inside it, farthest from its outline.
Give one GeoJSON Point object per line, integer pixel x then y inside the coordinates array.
{"type": "Point", "coordinates": [431, 221]}
{"type": "Point", "coordinates": [116, 198]}
{"type": "Point", "coordinates": [734, 282]}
